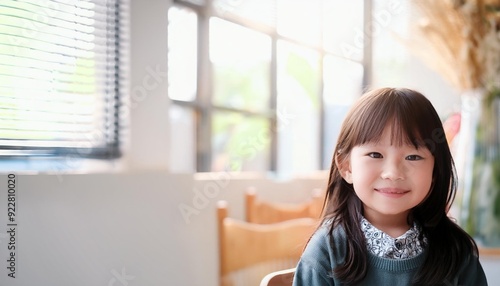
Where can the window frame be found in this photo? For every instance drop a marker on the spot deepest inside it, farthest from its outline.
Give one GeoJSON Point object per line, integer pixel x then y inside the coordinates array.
{"type": "Point", "coordinates": [203, 106]}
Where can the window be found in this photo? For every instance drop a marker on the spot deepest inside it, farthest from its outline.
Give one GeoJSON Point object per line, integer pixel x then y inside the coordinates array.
{"type": "Point", "coordinates": [61, 78]}
{"type": "Point", "coordinates": [390, 55]}
{"type": "Point", "coordinates": [261, 85]}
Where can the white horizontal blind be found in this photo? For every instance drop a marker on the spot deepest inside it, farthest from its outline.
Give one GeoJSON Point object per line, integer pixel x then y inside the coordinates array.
{"type": "Point", "coordinates": [61, 77]}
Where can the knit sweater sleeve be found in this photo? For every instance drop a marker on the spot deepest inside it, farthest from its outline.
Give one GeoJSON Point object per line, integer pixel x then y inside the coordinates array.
{"type": "Point", "coordinates": [315, 267]}
{"type": "Point", "coordinates": [472, 273]}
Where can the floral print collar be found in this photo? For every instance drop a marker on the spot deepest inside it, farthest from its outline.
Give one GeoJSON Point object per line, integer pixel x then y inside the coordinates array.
{"type": "Point", "coordinates": [381, 244]}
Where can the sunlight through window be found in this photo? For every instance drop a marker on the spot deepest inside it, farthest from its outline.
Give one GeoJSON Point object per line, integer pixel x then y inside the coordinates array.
{"type": "Point", "coordinates": [268, 74]}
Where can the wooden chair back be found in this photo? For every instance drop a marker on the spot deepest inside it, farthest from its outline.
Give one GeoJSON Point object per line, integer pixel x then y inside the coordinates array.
{"type": "Point", "coordinates": [279, 278]}
{"type": "Point", "coordinates": [259, 211]}
{"type": "Point", "coordinates": [244, 245]}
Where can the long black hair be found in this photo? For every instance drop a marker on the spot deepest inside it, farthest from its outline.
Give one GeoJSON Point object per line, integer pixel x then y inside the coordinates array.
{"type": "Point", "coordinates": [413, 120]}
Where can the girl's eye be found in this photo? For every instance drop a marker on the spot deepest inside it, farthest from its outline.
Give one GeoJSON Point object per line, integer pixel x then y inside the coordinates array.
{"type": "Point", "coordinates": [413, 157]}
{"type": "Point", "coordinates": [375, 155]}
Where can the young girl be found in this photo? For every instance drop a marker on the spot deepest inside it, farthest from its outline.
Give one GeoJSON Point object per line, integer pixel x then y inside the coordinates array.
{"type": "Point", "coordinates": [391, 183]}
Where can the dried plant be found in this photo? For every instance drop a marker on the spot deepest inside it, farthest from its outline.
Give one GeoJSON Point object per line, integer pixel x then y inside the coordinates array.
{"type": "Point", "coordinates": [461, 40]}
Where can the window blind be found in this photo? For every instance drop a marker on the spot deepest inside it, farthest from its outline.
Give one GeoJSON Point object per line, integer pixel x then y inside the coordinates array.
{"type": "Point", "coordinates": [61, 77]}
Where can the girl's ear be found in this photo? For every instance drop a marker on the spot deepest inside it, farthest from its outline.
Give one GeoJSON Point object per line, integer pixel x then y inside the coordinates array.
{"type": "Point", "coordinates": [348, 176]}
{"type": "Point", "coordinates": [344, 168]}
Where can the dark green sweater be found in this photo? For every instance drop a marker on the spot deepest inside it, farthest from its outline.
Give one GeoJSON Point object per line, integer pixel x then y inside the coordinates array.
{"type": "Point", "coordinates": [318, 260]}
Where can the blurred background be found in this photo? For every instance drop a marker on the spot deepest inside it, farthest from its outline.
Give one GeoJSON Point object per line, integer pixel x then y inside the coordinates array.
{"type": "Point", "coordinates": [126, 121]}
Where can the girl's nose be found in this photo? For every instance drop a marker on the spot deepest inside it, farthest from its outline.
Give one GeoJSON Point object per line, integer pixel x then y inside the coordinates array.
{"type": "Point", "coordinates": [392, 171]}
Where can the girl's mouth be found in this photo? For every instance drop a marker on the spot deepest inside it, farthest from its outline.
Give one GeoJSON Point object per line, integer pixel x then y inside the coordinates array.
{"type": "Point", "coordinates": [392, 192]}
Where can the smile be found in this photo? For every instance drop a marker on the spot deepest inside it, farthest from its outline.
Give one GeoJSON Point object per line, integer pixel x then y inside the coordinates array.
{"type": "Point", "coordinates": [392, 192]}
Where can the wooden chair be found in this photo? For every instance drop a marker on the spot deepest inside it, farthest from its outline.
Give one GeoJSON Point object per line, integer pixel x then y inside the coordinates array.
{"type": "Point", "coordinates": [249, 251]}
{"type": "Point", "coordinates": [258, 211]}
{"type": "Point", "coordinates": [279, 278]}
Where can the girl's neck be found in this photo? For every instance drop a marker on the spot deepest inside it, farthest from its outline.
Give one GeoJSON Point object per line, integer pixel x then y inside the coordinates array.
{"type": "Point", "coordinates": [393, 225]}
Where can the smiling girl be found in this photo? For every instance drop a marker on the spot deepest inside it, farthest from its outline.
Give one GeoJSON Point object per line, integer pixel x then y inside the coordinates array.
{"type": "Point", "coordinates": [392, 182]}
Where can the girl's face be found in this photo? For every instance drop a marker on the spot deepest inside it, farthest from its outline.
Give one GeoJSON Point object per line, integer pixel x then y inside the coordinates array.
{"type": "Point", "coordinates": [390, 180]}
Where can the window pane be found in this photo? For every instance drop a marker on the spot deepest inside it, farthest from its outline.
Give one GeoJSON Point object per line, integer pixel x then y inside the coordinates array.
{"type": "Point", "coordinates": [343, 28]}
{"type": "Point", "coordinates": [300, 20]}
{"type": "Point", "coordinates": [240, 143]}
{"type": "Point", "coordinates": [182, 139]}
{"type": "Point", "coordinates": [390, 54]}
{"type": "Point", "coordinates": [258, 11]}
{"type": "Point", "coordinates": [342, 84]}
{"type": "Point", "coordinates": [298, 109]}
{"type": "Point", "coordinates": [241, 64]}
{"type": "Point", "coordinates": [182, 53]}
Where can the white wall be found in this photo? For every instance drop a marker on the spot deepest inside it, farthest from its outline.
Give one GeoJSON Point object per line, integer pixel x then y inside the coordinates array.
{"type": "Point", "coordinates": [83, 229]}
{"type": "Point", "coordinates": [127, 228]}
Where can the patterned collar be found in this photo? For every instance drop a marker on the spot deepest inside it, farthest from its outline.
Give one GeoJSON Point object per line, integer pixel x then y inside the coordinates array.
{"type": "Point", "coordinates": [381, 244]}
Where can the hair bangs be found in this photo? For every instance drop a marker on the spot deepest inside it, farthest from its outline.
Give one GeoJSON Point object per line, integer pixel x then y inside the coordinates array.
{"type": "Point", "coordinates": [392, 112]}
